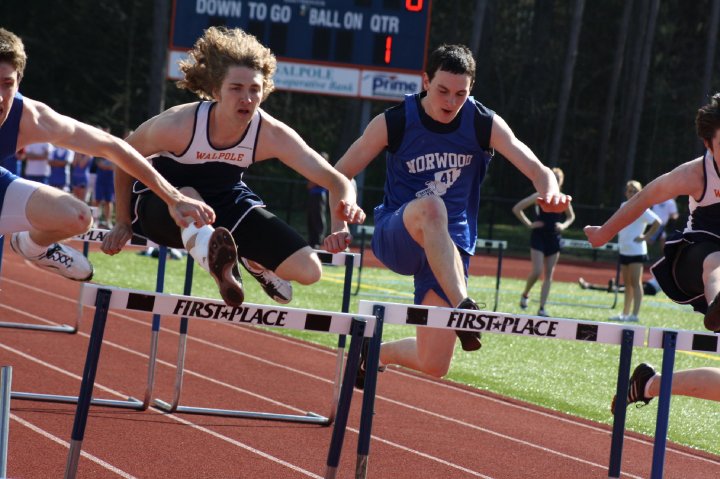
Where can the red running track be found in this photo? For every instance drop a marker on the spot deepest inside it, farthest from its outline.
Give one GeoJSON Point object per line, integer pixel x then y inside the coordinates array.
{"type": "Point", "coordinates": [423, 428]}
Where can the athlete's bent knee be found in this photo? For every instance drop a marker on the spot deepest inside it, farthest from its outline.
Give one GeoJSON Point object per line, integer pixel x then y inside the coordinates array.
{"type": "Point", "coordinates": [310, 273]}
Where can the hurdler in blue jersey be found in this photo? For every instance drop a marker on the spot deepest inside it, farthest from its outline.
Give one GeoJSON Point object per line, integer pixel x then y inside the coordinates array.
{"type": "Point", "coordinates": [204, 148]}
{"type": "Point", "coordinates": [39, 216]}
{"type": "Point", "coordinates": [438, 146]}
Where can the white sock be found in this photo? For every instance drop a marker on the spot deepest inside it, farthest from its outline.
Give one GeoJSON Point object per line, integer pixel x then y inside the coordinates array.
{"type": "Point", "coordinates": [646, 392]}
{"type": "Point", "coordinates": [28, 247]}
{"type": "Point", "coordinates": [199, 251]}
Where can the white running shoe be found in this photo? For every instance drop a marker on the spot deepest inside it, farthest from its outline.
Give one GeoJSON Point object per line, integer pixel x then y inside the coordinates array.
{"type": "Point", "coordinates": [60, 259]}
{"type": "Point", "coordinates": [277, 288]}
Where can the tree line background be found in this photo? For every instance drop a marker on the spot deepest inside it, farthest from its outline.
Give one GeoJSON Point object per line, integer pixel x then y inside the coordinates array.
{"type": "Point", "coordinates": [607, 90]}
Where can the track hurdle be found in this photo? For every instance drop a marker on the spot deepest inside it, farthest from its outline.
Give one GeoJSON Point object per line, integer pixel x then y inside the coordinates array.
{"type": "Point", "coordinates": [97, 236]}
{"type": "Point", "coordinates": [487, 322]}
{"type": "Point", "coordinates": [106, 298]}
{"type": "Point", "coordinates": [5, 387]}
{"type": "Point", "coordinates": [349, 260]}
{"type": "Point", "coordinates": [671, 341]}
{"type": "Point", "coordinates": [585, 245]}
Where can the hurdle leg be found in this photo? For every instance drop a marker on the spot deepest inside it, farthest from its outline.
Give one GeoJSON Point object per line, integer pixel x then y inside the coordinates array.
{"type": "Point", "coordinates": [5, 387]}
{"type": "Point", "coordinates": [343, 407]}
{"type": "Point", "coordinates": [368, 404]}
{"type": "Point", "coordinates": [102, 306]}
{"type": "Point", "coordinates": [498, 275]}
{"type": "Point", "coordinates": [663, 414]}
{"type": "Point", "coordinates": [362, 256]}
{"type": "Point", "coordinates": [182, 347]}
{"type": "Point", "coordinates": [340, 358]}
{"type": "Point", "coordinates": [623, 383]}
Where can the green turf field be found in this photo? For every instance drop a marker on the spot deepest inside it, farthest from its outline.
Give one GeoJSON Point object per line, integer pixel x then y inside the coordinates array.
{"type": "Point", "coordinates": [572, 377]}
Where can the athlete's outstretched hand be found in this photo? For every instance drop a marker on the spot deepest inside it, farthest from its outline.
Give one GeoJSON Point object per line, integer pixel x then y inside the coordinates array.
{"type": "Point", "coordinates": [337, 242]}
{"type": "Point", "coordinates": [189, 210]}
{"type": "Point", "coordinates": [554, 203]}
{"type": "Point", "coordinates": [117, 238]}
{"type": "Point", "coordinates": [596, 236]}
{"type": "Point", "coordinates": [349, 212]}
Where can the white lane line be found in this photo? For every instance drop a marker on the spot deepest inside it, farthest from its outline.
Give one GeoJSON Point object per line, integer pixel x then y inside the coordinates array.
{"type": "Point", "coordinates": [415, 377]}
{"type": "Point", "coordinates": [66, 445]}
{"type": "Point", "coordinates": [172, 416]}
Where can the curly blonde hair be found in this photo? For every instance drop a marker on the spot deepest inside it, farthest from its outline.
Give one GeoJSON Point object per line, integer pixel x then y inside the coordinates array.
{"type": "Point", "coordinates": [12, 51]}
{"type": "Point", "coordinates": [219, 49]}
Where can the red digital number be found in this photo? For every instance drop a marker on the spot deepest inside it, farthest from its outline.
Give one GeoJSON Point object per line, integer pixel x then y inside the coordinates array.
{"type": "Point", "coordinates": [414, 5]}
{"type": "Point", "coordinates": [388, 49]}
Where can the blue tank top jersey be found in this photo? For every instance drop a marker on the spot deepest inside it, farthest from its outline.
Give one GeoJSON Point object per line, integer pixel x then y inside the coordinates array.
{"type": "Point", "coordinates": [11, 128]}
{"type": "Point", "coordinates": [449, 164]}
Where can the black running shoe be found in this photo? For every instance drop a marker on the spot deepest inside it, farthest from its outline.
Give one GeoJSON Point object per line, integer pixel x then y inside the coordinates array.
{"type": "Point", "coordinates": [638, 380]}
{"type": "Point", "coordinates": [470, 340]}
{"type": "Point", "coordinates": [362, 367]}
{"type": "Point", "coordinates": [222, 264]}
{"type": "Point", "coordinates": [712, 316]}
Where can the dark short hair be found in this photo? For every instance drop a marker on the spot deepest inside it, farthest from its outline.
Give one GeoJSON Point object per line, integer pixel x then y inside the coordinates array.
{"type": "Point", "coordinates": [707, 121]}
{"type": "Point", "coordinates": [456, 59]}
{"type": "Point", "coordinates": [12, 51]}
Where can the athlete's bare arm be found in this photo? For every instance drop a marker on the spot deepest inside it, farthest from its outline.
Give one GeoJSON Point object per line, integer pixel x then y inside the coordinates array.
{"type": "Point", "coordinates": [278, 140]}
{"type": "Point", "coordinates": [363, 151]}
{"type": "Point", "coordinates": [168, 131]}
{"type": "Point", "coordinates": [687, 179]}
{"type": "Point", "coordinates": [507, 144]}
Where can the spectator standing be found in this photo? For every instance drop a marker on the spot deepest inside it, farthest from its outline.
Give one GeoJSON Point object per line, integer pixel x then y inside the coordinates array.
{"type": "Point", "coordinates": [544, 242]}
{"type": "Point", "coordinates": [633, 254]}
{"type": "Point", "coordinates": [667, 211]}
{"type": "Point", "coordinates": [60, 162]}
{"type": "Point", "coordinates": [80, 176]}
{"type": "Point", "coordinates": [104, 191]}
{"type": "Point", "coordinates": [37, 162]}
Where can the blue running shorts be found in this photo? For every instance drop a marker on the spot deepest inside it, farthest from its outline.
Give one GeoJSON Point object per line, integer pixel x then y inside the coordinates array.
{"type": "Point", "coordinates": [396, 249]}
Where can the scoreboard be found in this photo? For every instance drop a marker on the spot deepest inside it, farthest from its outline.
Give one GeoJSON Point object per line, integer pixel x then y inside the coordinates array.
{"type": "Point", "coordinates": [344, 36]}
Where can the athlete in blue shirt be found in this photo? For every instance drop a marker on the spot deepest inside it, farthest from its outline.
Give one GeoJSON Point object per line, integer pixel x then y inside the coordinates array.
{"type": "Point", "coordinates": [438, 147]}
{"type": "Point", "coordinates": [40, 216]}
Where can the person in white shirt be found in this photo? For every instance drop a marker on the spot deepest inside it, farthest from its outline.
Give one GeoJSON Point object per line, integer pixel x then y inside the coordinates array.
{"type": "Point", "coordinates": [633, 254]}
{"type": "Point", "coordinates": [667, 211]}
{"type": "Point", "coordinates": [37, 162]}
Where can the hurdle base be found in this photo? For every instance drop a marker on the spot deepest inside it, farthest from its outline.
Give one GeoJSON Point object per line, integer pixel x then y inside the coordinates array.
{"type": "Point", "coordinates": [361, 467]}
{"type": "Point", "coordinates": [308, 418]}
{"type": "Point", "coordinates": [131, 402]}
{"type": "Point", "coordinates": [40, 327]}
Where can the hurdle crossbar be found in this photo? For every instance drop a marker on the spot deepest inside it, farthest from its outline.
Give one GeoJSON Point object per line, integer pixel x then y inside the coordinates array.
{"type": "Point", "coordinates": [585, 245]}
{"type": "Point", "coordinates": [671, 341]}
{"type": "Point", "coordinates": [97, 236]}
{"type": "Point", "coordinates": [492, 322]}
{"type": "Point", "coordinates": [106, 298]}
{"type": "Point", "coordinates": [349, 260]}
